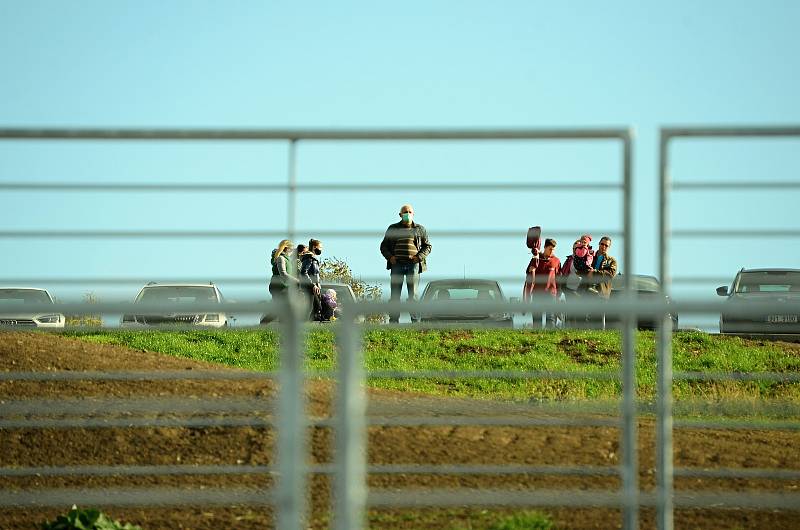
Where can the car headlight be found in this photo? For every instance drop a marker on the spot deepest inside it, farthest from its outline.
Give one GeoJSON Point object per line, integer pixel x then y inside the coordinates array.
{"type": "Point", "coordinates": [210, 317]}
{"type": "Point", "coordinates": [49, 319]}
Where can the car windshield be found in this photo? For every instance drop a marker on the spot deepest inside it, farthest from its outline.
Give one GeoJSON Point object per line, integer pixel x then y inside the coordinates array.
{"type": "Point", "coordinates": [177, 295]}
{"type": "Point", "coordinates": [23, 296]}
{"type": "Point", "coordinates": [486, 291]}
{"type": "Point", "coordinates": [768, 282]}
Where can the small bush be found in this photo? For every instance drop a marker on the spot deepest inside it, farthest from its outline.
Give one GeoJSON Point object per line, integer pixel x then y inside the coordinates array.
{"type": "Point", "coordinates": [94, 321]}
{"type": "Point", "coordinates": [90, 519]}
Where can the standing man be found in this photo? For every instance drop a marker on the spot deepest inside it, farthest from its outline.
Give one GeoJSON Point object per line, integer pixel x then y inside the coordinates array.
{"type": "Point", "coordinates": [604, 268]}
{"type": "Point", "coordinates": [540, 282]}
{"type": "Point", "coordinates": [405, 247]}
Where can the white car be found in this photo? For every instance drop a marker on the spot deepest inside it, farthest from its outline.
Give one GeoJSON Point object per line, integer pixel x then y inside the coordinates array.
{"type": "Point", "coordinates": [172, 294]}
{"type": "Point", "coordinates": [14, 314]}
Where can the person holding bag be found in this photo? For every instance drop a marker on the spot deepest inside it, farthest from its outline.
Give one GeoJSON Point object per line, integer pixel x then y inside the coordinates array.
{"type": "Point", "coordinates": [540, 280]}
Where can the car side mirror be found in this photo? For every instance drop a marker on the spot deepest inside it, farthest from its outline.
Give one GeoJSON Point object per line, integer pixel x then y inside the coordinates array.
{"type": "Point", "coordinates": [722, 290]}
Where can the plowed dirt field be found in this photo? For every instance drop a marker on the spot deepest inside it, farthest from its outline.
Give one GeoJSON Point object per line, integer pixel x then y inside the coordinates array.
{"type": "Point", "coordinates": [532, 446]}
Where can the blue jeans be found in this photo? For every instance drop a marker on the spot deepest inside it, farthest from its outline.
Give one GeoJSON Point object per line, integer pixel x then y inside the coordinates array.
{"type": "Point", "coordinates": [410, 273]}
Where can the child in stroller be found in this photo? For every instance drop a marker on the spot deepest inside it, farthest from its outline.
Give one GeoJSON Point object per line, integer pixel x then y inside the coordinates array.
{"type": "Point", "coordinates": [330, 309]}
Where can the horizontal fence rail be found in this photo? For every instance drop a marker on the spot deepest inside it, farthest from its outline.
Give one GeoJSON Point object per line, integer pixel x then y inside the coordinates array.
{"type": "Point", "coordinates": [428, 498]}
{"type": "Point", "coordinates": [620, 307]}
{"type": "Point", "coordinates": [403, 186]}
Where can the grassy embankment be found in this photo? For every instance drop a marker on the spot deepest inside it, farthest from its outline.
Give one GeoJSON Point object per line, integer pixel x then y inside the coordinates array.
{"type": "Point", "coordinates": [465, 350]}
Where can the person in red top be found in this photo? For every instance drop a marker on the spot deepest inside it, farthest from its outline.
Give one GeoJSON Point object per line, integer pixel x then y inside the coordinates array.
{"type": "Point", "coordinates": [540, 281]}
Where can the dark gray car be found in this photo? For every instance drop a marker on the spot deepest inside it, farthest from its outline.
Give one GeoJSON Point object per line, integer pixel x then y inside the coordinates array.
{"type": "Point", "coordinates": [765, 295]}
{"type": "Point", "coordinates": [461, 295]}
{"type": "Point", "coordinates": [647, 288]}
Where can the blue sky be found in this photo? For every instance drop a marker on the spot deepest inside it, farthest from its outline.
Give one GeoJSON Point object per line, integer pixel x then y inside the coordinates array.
{"type": "Point", "coordinates": [381, 65]}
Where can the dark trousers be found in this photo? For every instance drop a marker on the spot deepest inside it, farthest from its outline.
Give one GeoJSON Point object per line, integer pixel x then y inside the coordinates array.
{"type": "Point", "coordinates": [315, 302]}
{"type": "Point", "coordinates": [408, 273]}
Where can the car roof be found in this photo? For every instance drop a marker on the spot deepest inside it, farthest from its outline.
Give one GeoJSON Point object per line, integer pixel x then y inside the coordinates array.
{"type": "Point", "coordinates": [464, 282]}
{"type": "Point", "coordinates": [770, 270]}
{"type": "Point", "coordinates": [640, 276]}
{"type": "Point", "coordinates": [23, 289]}
{"type": "Point", "coordinates": [179, 285]}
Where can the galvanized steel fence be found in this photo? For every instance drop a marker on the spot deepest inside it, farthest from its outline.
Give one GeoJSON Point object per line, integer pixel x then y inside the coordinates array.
{"type": "Point", "coordinates": [352, 418]}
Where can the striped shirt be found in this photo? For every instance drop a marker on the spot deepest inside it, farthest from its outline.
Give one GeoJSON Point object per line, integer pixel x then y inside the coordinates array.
{"type": "Point", "coordinates": [405, 248]}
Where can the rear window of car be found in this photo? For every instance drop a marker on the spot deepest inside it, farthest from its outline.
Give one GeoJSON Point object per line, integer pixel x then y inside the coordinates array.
{"type": "Point", "coordinates": [463, 293]}
{"type": "Point", "coordinates": [640, 283]}
{"type": "Point", "coordinates": [768, 282]}
{"type": "Point", "coordinates": [178, 295]}
{"type": "Point", "coordinates": [23, 296]}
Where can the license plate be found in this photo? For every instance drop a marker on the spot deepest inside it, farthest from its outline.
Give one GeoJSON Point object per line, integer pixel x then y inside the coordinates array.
{"type": "Point", "coordinates": [782, 319]}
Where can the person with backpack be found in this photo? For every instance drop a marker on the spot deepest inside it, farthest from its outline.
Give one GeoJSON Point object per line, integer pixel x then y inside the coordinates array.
{"type": "Point", "coordinates": [309, 277]}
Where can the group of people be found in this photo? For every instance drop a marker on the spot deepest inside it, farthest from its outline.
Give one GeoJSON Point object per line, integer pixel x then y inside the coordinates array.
{"type": "Point", "coordinates": [585, 272]}
{"type": "Point", "coordinates": [405, 246]}
{"type": "Point", "coordinates": [299, 269]}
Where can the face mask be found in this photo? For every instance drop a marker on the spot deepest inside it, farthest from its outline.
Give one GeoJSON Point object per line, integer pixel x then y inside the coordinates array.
{"type": "Point", "coordinates": [407, 217]}
{"type": "Point", "coordinates": [317, 251]}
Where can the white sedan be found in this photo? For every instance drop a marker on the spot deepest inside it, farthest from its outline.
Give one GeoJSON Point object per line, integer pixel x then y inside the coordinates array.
{"type": "Point", "coordinates": [178, 294]}
{"type": "Point", "coordinates": [14, 312]}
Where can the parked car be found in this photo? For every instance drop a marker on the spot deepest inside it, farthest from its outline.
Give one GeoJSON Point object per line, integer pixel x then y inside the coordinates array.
{"type": "Point", "coordinates": [647, 288]}
{"type": "Point", "coordinates": [15, 314]}
{"type": "Point", "coordinates": [766, 291]}
{"type": "Point", "coordinates": [172, 294]}
{"type": "Point", "coordinates": [461, 295]}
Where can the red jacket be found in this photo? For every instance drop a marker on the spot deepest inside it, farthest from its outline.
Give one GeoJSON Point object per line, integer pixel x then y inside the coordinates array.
{"type": "Point", "coordinates": [541, 278]}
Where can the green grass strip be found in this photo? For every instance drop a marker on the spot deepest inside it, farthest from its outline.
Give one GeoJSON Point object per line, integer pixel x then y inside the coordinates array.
{"type": "Point", "coordinates": [469, 350]}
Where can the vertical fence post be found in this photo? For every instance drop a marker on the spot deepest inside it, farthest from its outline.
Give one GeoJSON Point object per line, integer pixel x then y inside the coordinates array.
{"type": "Point", "coordinates": [629, 442]}
{"type": "Point", "coordinates": [291, 448]}
{"type": "Point", "coordinates": [350, 484]}
{"type": "Point", "coordinates": [664, 471]}
{"type": "Point", "coordinates": [291, 211]}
